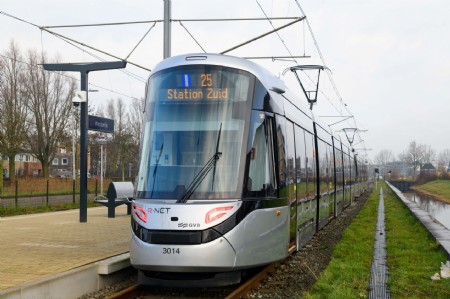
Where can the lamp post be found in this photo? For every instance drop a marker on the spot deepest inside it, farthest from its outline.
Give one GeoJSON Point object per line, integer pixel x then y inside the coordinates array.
{"type": "Point", "coordinates": [82, 100]}
{"type": "Point", "coordinates": [101, 142]}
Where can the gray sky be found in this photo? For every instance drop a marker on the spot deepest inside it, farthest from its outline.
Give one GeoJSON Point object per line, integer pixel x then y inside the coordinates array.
{"type": "Point", "coordinates": [389, 58]}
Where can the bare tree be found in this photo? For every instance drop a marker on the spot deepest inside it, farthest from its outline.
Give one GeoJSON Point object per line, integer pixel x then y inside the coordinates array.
{"type": "Point", "coordinates": [122, 136]}
{"type": "Point", "coordinates": [136, 119]}
{"type": "Point", "coordinates": [49, 101]}
{"type": "Point", "coordinates": [13, 107]}
{"type": "Point", "coordinates": [416, 152]}
{"type": "Point", "coordinates": [429, 154]}
{"type": "Point", "coordinates": [443, 160]}
{"type": "Point", "coordinates": [383, 157]}
{"type": "Point", "coordinates": [136, 122]}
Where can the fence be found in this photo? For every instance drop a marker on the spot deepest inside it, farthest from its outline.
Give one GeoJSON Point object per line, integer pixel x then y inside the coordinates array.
{"type": "Point", "coordinates": [41, 191]}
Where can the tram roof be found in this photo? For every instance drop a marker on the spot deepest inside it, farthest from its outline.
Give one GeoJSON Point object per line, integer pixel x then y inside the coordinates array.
{"type": "Point", "coordinates": [270, 81]}
{"type": "Point", "coordinates": [266, 78]}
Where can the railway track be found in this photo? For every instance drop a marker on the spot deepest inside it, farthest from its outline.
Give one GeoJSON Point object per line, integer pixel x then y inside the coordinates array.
{"type": "Point", "coordinates": [230, 292]}
{"type": "Point", "coordinates": [292, 276]}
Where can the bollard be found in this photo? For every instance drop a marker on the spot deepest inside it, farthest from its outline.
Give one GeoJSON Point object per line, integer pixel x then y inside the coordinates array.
{"type": "Point", "coordinates": [47, 192]}
{"type": "Point", "coordinates": [73, 191]}
{"type": "Point", "coordinates": [16, 196]}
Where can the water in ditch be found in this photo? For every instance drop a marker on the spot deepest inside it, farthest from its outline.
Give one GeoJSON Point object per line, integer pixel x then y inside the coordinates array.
{"type": "Point", "coordinates": [438, 210]}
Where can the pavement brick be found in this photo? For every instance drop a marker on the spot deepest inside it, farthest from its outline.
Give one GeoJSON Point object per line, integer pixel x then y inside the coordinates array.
{"type": "Point", "coordinates": [39, 245]}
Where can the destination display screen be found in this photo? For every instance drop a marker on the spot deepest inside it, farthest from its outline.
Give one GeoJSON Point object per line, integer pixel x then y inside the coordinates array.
{"type": "Point", "coordinates": [198, 86]}
{"type": "Point", "coordinates": [200, 83]}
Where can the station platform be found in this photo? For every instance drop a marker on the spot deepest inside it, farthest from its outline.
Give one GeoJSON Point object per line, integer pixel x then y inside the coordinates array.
{"type": "Point", "coordinates": [38, 246]}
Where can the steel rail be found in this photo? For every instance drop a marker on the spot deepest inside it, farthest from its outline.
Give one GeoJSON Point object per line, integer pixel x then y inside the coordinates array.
{"type": "Point", "coordinates": [250, 284]}
{"type": "Point", "coordinates": [128, 293]}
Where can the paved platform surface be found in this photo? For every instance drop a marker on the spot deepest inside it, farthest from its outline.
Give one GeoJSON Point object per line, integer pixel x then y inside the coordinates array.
{"type": "Point", "coordinates": [40, 245]}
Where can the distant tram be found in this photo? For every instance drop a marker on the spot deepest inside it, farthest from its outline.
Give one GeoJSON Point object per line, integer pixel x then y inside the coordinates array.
{"type": "Point", "coordinates": [234, 173]}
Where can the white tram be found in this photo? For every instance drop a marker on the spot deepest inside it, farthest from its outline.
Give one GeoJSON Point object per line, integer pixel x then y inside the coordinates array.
{"type": "Point", "coordinates": [234, 173]}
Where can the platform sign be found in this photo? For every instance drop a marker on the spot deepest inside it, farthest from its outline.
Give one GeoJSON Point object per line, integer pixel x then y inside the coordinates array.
{"type": "Point", "coordinates": [101, 124]}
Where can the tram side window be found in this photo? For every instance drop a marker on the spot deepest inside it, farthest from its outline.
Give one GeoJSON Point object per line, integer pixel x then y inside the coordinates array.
{"type": "Point", "coordinates": [310, 165]}
{"type": "Point", "coordinates": [291, 173]}
{"type": "Point", "coordinates": [339, 169]}
{"type": "Point", "coordinates": [281, 154]}
{"type": "Point", "coordinates": [323, 166]}
{"type": "Point", "coordinates": [330, 168]}
{"type": "Point", "coordinates": [355, 172]}
{"type": "Point", "coordinates": [300, 152]}
{"type": "Point", "coordinates": [260, 178]}
{"type": "Point", "coordinates": [347, 178]}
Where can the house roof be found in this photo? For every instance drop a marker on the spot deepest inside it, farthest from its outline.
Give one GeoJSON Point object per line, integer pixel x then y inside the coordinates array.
{"type": "Point", "coordinates": [428, 166]}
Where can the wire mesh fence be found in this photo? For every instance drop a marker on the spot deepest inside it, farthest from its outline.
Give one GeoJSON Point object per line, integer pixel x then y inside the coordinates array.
{"type": "Point", "coordinates": [35, 192]}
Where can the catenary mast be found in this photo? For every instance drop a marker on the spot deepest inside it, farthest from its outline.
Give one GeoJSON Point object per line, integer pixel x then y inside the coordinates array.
{"type": "Point", "coordinates": [167, 28]}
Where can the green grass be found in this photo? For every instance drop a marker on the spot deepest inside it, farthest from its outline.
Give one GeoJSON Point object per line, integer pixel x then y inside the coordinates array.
{"type": "Point", "coordinates": [413, 255]}
{"type": "Point", "coordinates": [348, 274]}
{"type": "Point", "coordinates": [12, 211]}
{"type": "Point", "coordinates": [439, 187]}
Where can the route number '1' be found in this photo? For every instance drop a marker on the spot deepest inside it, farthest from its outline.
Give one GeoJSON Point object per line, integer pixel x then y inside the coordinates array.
{"type": "Point", "coordinates": [171, 250]}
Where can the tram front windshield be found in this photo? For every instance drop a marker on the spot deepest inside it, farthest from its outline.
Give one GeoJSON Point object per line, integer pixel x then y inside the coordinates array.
{"type": "Point", "coordinates": [193, 134]}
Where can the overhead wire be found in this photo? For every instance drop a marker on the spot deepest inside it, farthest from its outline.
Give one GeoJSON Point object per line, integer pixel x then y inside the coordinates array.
{"type": "Point", "coordinates": [273, 27]}
{"type": "Point", "coordinates": [269, 20]}
{"type": "Point", "coordinates": [73, 40]}
{"type": "Point", "coordinates": [148, 31]}
{"type": "Point", "coordinates": [182, 25]}
{"type": "Point", "coordinates": [74, 44]}
{"type": "Point", "coordinates": [328, 73]}
{"type": "Point", "coordinates": [68, 76]}
{"type": "Point", "coordinates": [103, 24]}
{"type": "Point", "coordinates": [137, 77]}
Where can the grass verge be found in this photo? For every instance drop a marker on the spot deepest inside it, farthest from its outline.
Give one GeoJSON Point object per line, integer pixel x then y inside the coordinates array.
{"type": "Point", "coordinates": [348, 274]}
{"type": "Point", "coordinates": [412, 254]}
{"type": "Point", "coordinates": [23, 210]}
{"type": "Point", "coordinates": [439, 187]}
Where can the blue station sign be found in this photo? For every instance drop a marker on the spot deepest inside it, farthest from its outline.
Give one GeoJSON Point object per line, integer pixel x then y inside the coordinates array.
{"type": "Point", "coordinates": [101, 124]}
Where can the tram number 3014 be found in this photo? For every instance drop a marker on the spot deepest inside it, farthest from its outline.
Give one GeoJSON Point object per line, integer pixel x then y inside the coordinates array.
{"type": "Point", "coordinates": [167, 250]}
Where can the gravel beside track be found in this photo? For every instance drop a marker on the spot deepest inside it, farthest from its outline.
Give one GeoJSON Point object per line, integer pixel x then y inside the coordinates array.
{"type": "Point", "coordinates": [295, 275]}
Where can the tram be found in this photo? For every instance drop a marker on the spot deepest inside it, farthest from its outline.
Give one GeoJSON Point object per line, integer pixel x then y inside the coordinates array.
{"type": "Point", "coordinates": [234, 173]}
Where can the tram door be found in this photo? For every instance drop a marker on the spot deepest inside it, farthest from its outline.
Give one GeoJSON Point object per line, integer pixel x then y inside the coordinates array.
{"type": "Point", "coordinates": [291, 184]}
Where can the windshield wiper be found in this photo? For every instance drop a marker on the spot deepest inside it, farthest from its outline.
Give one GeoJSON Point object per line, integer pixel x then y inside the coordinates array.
{"type": "Point", "coordinates": [156, 168]}
{"type": "Point", "coordinates": [203, 172]}
{"type": "Point", "coordinates": [215, 162]}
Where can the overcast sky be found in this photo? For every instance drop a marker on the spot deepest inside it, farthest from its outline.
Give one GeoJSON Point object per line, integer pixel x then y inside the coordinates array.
{"type": "Point", "coordinates": [389, 58]}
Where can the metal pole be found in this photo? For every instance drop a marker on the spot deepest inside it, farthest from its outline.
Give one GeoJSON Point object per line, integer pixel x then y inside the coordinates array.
{"type": "Point", "coordinates": [167, 28]}
{"type": "Point", "coordinates": [84, 69]}
{"type": "Point", "coordinates": [101, 169]}
{"type": "Point", "coordinates": [74, 175]}
{"type": "Point", "coordinates": [83, 149]}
